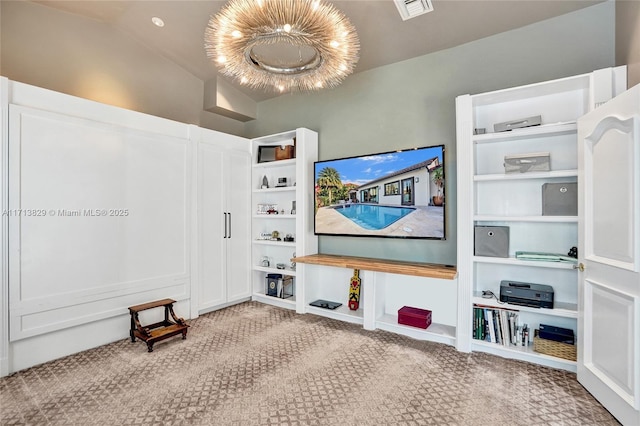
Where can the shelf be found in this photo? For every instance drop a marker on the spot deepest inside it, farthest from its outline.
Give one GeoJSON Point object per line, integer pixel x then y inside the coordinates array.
{"type": "Point", "coordinates": [297, 174]}
{"type": "Point", "coordinates": [517, 262]}
{"type": "Point", "coordinates": [523, 353]}
{"type": "Point", "coordinates": [288, 303]}
{"type": "Point", "coordinates": [342, 313]}
{"type": "Point", "coordinates": [275, 189]}
{"type": "Point", "coordinates": [544, 131]}
{"type": "Point", "coordinates": [287, 271]}
{"type": "Point", "coordinates": [276, 138]}
{"type": "Point", "coordinates": [274, 216]}
{"type": "Point", "coordinates": [488, 196]}
{"type": "Point", "coordinates": [541, 219]}
{"type": "Point", "coordinates": [274, 243]}
{"type": "Point", "coordinates": [431, 270]}
{"type": "Point", "coordinates": [272, 164]}
{"type": "Point", "coordinates": [519, 93]}
{"type": "Point", "coordinates": [533, 175]}
{"type": "Point", "coordinates": [564, 310]}
{"type": "Point", "coordinates": [435, 332]}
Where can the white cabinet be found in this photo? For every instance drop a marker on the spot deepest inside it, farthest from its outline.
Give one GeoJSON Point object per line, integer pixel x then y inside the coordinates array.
{"type": "Point", "coordinates": [489, 196]}
{"type": "Point", "coordinates": [286, 187]}
{"type": "Point", "coordinates": [223, 219]}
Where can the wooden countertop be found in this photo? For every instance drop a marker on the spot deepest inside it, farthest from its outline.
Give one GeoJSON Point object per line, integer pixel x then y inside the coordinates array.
{"type": "Point", "coordinates": [432, 270]}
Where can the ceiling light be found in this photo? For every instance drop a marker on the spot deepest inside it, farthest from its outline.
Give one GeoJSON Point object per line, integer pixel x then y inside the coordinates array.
{"type": "Point", "coordinates": [283, 44]}
{"type": "Point", "coordinates": [157, 22]}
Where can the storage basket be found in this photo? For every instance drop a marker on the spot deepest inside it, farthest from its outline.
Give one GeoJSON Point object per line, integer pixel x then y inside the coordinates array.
{"type": "Point", "coordinates": [534, 162]}
{"type": "Point", "coordinates": [553, 348]}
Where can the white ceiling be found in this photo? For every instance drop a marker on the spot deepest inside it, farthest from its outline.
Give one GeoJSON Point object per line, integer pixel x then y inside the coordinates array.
{"type": "Point", "coordinates": [384, 37]}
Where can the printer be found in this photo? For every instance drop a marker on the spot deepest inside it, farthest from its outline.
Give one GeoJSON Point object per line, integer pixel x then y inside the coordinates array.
{"type": "Point", "coordinates": [526, 294]}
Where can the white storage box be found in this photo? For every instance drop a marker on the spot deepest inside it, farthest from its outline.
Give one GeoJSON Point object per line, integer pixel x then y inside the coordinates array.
{"type": "Point", "coordinates": [523, 163]}
{"type": "Point", "coordinates": [536, 120]}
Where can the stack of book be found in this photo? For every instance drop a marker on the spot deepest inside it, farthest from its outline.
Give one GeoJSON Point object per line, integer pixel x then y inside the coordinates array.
{"type": "Point", "coordinates": [500, 326]}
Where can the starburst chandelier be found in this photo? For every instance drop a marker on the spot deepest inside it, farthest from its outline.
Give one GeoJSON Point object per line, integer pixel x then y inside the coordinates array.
{"type": "Point", "coordinates": [282, 45]}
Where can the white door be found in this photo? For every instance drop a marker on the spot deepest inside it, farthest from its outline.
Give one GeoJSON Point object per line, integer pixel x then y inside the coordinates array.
{"type": "Point", "coordinates": [211, 227]}
{"type": "Point", "coordinates": [609, 250]}
{"type": "Point", "coordinates": [238, 211]}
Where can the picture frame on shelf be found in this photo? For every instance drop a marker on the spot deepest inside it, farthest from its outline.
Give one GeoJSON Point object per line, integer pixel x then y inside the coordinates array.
{"type": "Point", "coordinates": [266, 208]}
{"type": "Point", "coordinates": [275, 153]}
{"type": "Point", "coordinates": [266, 154]}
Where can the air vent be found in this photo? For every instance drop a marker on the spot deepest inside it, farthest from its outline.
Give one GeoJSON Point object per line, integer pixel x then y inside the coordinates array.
{"type": "Point", "coordinates": [411, 8]}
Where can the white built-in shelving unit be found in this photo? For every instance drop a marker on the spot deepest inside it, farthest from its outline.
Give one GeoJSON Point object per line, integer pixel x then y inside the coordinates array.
{"type": "Point", "coordinates": [298, 224]}
{"type": "Point", "coordinates": [489, 196]}
{"type": "Point", "coordinates": [387, 286]}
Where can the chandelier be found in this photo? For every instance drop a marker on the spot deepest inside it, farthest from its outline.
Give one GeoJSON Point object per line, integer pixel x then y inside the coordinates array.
{"type": "Point", "coordinates": [282, 45]}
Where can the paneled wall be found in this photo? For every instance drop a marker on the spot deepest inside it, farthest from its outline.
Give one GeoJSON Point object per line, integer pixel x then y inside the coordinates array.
{"type": "Point", "coordinates": [99, 219]}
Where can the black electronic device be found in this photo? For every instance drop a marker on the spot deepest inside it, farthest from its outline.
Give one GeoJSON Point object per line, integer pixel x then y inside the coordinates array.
{"type": "Point", "coordinates": [557, 334]}
{"type": "Point", "coordinates": [320, 303]}
{"type": "Point", "coordinates": [526, 294]}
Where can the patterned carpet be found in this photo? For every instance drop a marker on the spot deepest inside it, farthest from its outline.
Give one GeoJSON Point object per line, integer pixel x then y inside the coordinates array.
{"type": "Point", "coordinates": [253, 364]}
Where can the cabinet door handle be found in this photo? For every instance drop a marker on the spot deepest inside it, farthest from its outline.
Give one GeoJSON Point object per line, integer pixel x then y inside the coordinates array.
{"type": "Point", "coordinates": [225, 225]}
{"type": "Point", "coordinates": [229, 224]}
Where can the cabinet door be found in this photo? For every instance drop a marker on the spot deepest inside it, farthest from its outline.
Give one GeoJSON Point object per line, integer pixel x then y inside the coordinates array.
{"type": "Point", "coordinates": [238, 212]}
{"type": "Point", "coordinates": [211, 226]}
{"type": "Point", "coordinates": [609, 210]}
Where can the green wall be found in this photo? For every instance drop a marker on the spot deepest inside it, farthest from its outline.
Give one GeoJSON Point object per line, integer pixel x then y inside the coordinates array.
{"type": "Point", "coordinates": [412, 103]}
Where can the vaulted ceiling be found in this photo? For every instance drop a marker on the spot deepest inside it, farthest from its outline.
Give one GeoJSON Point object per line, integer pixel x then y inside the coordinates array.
{"type": "Point", "coordinates": [384, 37]}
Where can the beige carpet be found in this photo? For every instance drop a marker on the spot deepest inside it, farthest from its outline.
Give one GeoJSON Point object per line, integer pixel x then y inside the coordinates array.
{"type": "Point", "coordinates": [255, 364]}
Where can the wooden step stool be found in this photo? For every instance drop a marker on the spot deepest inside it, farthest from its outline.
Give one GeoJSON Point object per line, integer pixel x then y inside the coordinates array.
{"type": "Point", "coordinates": [160, 330]}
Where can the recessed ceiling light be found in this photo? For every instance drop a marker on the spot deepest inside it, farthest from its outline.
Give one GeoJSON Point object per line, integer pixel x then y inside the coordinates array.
{"type": "Point", "coordinates": [157, 22]}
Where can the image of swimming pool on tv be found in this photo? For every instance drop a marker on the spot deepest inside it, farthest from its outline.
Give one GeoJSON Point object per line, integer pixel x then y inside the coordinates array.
{"type": "Point", "coordinates": [373, 217]}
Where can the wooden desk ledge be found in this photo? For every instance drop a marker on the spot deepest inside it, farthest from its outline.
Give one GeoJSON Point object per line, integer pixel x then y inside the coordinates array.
{"type": "Point", "coordinates": [431, 270]}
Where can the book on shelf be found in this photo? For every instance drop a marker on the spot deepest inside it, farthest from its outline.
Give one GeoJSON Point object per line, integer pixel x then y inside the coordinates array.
{"type": "Point", "coordinates": [492, 329]}
{"type": "Point", "coordinates": [500, 326]}
{"type": "Point", "coordinates": [545, 257]}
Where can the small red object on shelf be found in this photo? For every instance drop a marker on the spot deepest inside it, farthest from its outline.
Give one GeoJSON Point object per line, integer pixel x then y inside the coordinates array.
{"type": "Point", "coordinates": [415, 317]}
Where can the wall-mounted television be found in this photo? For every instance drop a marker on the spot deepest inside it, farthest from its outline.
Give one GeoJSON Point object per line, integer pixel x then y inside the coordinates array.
{"type": "Point", "coordinates": [397, 194]}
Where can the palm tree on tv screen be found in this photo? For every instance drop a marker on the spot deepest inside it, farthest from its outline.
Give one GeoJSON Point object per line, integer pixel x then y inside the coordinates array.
{"type": "Point", "coordinates": [329, 179]}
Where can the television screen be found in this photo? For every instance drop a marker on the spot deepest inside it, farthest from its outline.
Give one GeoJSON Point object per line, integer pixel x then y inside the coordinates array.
{"type": "Point", "coordinates": [397, 194]}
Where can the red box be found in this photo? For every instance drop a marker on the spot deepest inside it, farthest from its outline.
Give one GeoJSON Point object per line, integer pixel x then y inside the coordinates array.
{"type": "Point", "coordinates": [415, 317]}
